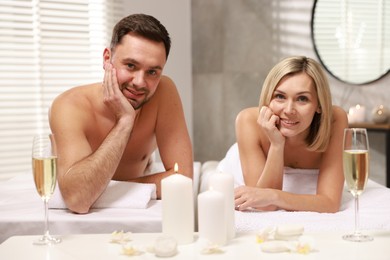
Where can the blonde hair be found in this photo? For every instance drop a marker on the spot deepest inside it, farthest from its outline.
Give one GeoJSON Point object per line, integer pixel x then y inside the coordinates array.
{"type": "Point", "coordinates": [319, 134]}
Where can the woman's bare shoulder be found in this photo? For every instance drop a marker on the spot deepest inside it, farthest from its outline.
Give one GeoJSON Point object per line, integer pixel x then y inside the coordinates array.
{"type": "Point", "coordinates": [247, 127]}
{"type": "Point", "coordinates": [339, 120]}
{"type": "Point", "coordinates": [339, 115]}
{"type": "Point", "coordinates": [249, 114]}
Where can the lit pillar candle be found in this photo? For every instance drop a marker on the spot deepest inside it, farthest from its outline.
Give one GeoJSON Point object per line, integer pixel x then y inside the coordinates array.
{"type": "Point", "coordinates": [356, 114]}
{"type": "Point", "coordinates": [178, 207]}
{"type": "Point", "coordinates": [211, 217]}
{"type": "Point", "coordinates": [224, 183]}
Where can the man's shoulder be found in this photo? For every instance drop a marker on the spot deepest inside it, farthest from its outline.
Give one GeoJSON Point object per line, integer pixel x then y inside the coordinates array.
{"type": "Point", "coordinates": [75, 95]}
{"type": "Point", "coordinates": [166, 90]}
{"type": "Point", "coordinates": [76, 101]}
{"type": "Point", "coordinates": [166, 81]}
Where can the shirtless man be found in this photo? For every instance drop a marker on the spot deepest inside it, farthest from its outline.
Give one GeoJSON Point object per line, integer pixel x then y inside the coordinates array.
{"type": "Point", "coordinates": [108, 131]}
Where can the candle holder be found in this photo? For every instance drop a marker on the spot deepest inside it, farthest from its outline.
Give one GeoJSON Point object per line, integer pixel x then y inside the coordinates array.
{"type": "Point", "coordinates": [380, 115]}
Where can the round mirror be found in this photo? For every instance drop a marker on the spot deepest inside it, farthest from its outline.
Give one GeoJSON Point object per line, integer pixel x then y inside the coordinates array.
{"type": "Point", "coordinates": [352, 38]}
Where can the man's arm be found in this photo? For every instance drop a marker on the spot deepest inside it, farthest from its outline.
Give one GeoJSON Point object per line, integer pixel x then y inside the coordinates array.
{"type": "Point", "coordinates": [172, 136]}
{"type": "Point", "coordinates": [83, 174]}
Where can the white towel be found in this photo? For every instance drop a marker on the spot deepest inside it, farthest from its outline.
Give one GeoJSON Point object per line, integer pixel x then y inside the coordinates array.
{"type": "Point", "coordinates": [118, 194]}
{"type": "Point", "coordinates": [231, 164]}
{"type": "Point", "coordinates": [299, 181]}
{"type": "Point", "coordinates": [374, 202]}
{"type": "Point", "coordinates": [374, 214]}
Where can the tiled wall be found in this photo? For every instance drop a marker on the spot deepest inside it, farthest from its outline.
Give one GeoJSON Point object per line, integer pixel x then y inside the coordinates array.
{"type": "Point", "coordinates": [234, 45]}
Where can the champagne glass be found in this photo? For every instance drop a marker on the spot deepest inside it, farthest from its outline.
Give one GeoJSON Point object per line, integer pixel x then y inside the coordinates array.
{"type": "Point", "coordinates": [356, 165]}
{"type": "Point", "coordinates": [44, 164]}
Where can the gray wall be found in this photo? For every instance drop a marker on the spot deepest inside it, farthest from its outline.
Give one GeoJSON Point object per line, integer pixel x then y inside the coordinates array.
{"type": "Point", "coordinates": [234, 45]}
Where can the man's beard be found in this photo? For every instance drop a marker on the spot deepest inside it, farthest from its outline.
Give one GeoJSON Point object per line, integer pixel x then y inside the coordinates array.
{"type": "Point", "coordinates": [135, 103]}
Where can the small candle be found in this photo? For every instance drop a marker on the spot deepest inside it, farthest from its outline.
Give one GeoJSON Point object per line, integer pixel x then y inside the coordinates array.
{"type": "Point", "coordinates": [356, 114]}
{"type": "Point", "coordinates": [178, 207]}
{"type": "Point", "coordinates": [224, 183]}
{"type": "Point", "coordinates": [211, 217]}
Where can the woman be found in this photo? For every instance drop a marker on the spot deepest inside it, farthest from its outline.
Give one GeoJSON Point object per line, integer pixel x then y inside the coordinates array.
{"type": "Point", "coordinates": [294, 127]}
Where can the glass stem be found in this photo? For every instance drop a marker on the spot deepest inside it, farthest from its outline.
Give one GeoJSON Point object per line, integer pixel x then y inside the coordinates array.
{"type": "Point", "coordinates": [357, 227]}
{"type": "Point", "coordinates": [46, 230]}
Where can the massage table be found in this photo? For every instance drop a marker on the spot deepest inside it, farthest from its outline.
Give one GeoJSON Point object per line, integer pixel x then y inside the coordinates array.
{"type": "Point", "coordinates": [22, 213]}
{"type": "Point", "coordinates": [374, 211]}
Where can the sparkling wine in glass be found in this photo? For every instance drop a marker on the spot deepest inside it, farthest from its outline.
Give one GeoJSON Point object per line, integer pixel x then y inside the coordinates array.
{"type": "Point", "coordinates": [44, 165]}
{"type": "Point", "coordinates": [356, 165]}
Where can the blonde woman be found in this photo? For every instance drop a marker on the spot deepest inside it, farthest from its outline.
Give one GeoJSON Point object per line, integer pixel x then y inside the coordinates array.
{"type": "Point", "coordinates": [293, 140]}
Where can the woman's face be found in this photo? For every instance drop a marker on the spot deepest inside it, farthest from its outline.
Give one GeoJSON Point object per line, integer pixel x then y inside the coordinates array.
{"type": "Point", "coordinates": [295, 101]}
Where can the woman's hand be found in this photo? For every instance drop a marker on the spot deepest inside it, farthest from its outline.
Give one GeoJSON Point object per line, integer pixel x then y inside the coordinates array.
{"type": "Point", "coordinates": [269, 122]}
{"type": "Point", "coordinates": [252, 197]}
{"type": "Point", "coordinates": [113, 96]}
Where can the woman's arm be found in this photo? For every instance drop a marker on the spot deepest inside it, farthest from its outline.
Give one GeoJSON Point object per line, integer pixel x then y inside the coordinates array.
{"type": "Point", "coordinates": [252, 157]}
{"type": "Point", "coordinates": [261, 148]}
{"type": "Point", "coordinates": [331, 177]}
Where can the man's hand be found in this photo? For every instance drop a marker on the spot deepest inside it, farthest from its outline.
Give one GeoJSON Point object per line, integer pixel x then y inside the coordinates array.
{"type": "Point", "coordinates": [112, 95]}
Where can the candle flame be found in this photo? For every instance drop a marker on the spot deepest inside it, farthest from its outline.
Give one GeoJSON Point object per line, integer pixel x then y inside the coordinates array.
{"type": "Point", "coordinates": [176, 168]}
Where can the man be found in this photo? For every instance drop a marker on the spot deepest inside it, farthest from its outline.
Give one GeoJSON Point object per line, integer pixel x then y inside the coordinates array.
{"type": "Point", "coordinates": [108, 131]}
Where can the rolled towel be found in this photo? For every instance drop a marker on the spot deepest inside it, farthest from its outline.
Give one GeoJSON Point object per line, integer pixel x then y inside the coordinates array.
{"type": "Point", "coordinates": [118, 194]}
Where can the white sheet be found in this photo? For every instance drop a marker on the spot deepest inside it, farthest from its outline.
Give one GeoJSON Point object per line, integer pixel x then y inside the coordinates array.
{"type": "Point", "coordinates": [374, 214]}
{"type": "Point", "coordinates": [374, 202]}
{"type": "Point", "coordinates": [300, 181]}
{"type": "Point", "coordinates": [22, 213]}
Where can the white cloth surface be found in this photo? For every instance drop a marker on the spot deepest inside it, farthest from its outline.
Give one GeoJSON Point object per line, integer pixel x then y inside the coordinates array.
{"type": "Point", "coordinates": [374, 202]}
{"type": "Point", "coordinates": [374, 212]}
{"type": "Point", "coordinates": [118, 194]}
{"type": "Point", "coordinates": [299, 181]}
{"type": "Point", "coordinates": [231, 164]}
{"type": "Point", "coordinates": [22, 213]}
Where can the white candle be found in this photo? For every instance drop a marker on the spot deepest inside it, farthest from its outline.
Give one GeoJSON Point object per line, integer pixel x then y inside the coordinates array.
{"type": "Point", "coordinates": [356, 114]}
{"type": "Point", "coordinates": [178, 208]}
{"type": "Point", "coordinates": [351, 115]}
{"type": "Point", "coordinates": [211, 217]}
{"type": "Point", "coordinates": [224, 183]}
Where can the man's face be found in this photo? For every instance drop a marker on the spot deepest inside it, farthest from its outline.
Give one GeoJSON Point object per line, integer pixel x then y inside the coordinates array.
{"type": "Point", "coordinates": [139, 63]}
